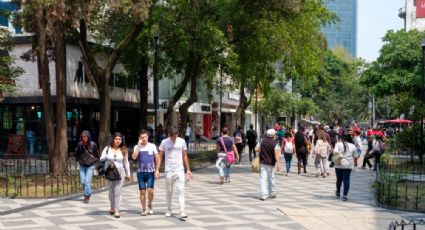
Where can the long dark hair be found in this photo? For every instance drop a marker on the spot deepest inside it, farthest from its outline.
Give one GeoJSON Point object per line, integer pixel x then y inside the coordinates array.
{"type": "Point", "coordinates": [122, 146]}
{"type": "Point", "coordinates": [346, 138]}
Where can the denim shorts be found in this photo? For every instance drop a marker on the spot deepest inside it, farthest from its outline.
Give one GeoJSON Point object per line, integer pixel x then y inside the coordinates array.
{"type": "Point", "coordinates": [146, 180]}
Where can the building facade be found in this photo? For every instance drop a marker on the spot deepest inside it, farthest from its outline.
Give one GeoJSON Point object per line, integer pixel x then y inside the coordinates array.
{"type": "Point", "coordinates": [413, 14]}
{"type": "Point", "coordinates": [344, 32]}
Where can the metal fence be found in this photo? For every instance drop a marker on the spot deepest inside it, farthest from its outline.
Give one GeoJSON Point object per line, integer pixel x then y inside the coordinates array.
{"type": "Point", "coordinates": [29, 177]}
{"type": "Point", "coordinates": [400, 184]}
{"type": "Point", "coordinates": [406, 224]}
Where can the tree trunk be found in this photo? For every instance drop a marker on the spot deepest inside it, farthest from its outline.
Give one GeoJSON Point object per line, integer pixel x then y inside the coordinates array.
{"type": "Point", "coordinates": [44, 77]}
{"type": "Point", "coordinates": [58, 163]}
{"type": "Point", "coordinates": [105, 108]}
{"type": "Point", "coordinates": [176, 97]}
{"type": "Point", "coordinates": [193, 97]}
{"type": "Point", "coordinates": [102, 75]}
{"type": "Point", "coordinates": [243, 104]}
{"type": "Point", "coordinates": [143, 80]}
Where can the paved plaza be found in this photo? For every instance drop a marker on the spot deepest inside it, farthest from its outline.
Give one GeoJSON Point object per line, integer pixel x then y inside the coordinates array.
{"type": "Point", "coordinates": [303, 202]}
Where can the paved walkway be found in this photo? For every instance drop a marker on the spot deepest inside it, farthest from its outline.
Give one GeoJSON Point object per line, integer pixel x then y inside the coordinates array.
{"type": "Point", "coordinates": [303, 202]}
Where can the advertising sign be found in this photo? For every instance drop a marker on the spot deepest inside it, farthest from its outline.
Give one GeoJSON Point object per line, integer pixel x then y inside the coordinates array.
{"type": "Point", "coordinates": [420, 8]}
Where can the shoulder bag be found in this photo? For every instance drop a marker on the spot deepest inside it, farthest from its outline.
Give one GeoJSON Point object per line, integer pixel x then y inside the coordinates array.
{"type": "Point", "coordinates": [230, 156]}
{"type": "Point", "coordinates": [87, 158]}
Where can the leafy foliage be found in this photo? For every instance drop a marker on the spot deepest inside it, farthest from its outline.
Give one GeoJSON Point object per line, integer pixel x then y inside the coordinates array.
{"type": "Point", "coordinates": [8, 72]}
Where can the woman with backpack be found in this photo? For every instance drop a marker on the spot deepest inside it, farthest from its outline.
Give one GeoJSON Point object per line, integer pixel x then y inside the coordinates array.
{"type": "Point", "coordinates": [320, 155]}
{"type": "Point", "coordinates": [227, 155]}
{"type": "Point", "coordinates": [288, 150]}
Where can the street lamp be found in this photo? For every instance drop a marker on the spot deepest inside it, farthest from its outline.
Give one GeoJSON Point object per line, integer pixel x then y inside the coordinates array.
{"type": "Point", "coordinates": [221, 98]}
{"type": "Point", "coordinates": [155, 85]}
{"type": "Point", "coordinates": [422, 97]}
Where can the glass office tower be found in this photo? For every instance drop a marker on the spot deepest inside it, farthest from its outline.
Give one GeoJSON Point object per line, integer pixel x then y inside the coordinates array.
{"type": "Point", "coordinates": [343, 32]}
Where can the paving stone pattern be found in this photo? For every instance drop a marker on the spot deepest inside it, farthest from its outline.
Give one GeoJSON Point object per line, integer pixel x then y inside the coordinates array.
{"type": "Point", "coordinates": [303, 202]}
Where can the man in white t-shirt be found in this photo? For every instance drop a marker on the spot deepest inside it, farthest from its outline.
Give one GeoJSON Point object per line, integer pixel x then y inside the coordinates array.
{"type": "Point", "coordinates": [175, 150]}
{"type": "Point", "coordinates": [145, 154]}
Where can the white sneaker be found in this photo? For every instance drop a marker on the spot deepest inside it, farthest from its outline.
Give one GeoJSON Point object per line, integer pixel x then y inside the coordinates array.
{"type": "Point", "coordinates": [144, 212]}
{"type": "Point", "coordinates": [150, 211]}
{"type": "Point", "coordinates": [183, 214]}
{"type": "Point", "coordinates": [168, 213]}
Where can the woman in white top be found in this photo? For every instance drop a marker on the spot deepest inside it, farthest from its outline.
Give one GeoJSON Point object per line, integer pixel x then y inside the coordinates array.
{"type": "Point", "coordinates": [117, 153]}
{"type": "Point", "coordinates": [344, 167]}
{"type": "Point", "coordinates": [358, 144]}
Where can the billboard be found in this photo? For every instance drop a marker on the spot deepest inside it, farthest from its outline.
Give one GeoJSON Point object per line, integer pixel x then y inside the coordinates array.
{"type": "Point", "coordinates": [420, 8]}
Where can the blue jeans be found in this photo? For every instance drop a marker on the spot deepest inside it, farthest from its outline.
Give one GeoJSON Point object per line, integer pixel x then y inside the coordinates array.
{"type": "Point", "coordinates": [288, 161]}
{"type": "Point", "coordinates": [146, 180]}
{"type": "Point", "coordinates": [187, 139]}
{"type": "Point", "coordinates": [224, 170]}
{"type": "Point", "coordinates": [86, 175]}
{"type": "Point", "coordinates": [342, 175]}
{"type": "Point", "coordinates": [267, 173]}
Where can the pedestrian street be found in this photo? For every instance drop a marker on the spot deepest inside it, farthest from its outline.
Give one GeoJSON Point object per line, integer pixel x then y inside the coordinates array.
{"type": "Point", "coordinates": [303, 202]}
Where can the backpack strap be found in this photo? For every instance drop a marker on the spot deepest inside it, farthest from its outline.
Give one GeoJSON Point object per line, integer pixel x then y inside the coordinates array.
{"type": "Point", "coordinates": [224, 146]}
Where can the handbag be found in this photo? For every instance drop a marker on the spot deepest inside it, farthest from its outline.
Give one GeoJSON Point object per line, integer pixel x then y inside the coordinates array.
{"type": "Point", "coordinates": [336, 158]}
{"type": "Point", "coordinates": [230, 156]}
{"type": "Point", "coordinates": [87, 158]}
{"type": "Point", "coordinates": [255, 165]}
{"type": "Point", "coordinates": [112, 174]}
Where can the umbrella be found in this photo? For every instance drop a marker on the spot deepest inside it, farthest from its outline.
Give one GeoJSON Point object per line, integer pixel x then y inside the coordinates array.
{"type": "Point", "coordinates": [398, 121]}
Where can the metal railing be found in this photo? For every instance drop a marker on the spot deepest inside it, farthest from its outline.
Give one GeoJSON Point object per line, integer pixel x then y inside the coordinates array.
{"type": "Point", "coordinates": [401, 184]}
{"type": "Point", "coordinates": [402, 224]}
{"type": "Point", "coordinates": [29, 177]}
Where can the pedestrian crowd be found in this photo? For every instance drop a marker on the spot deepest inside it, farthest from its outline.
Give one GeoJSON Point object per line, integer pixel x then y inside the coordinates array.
{"type": "Point", "coordinates": [329, 146]}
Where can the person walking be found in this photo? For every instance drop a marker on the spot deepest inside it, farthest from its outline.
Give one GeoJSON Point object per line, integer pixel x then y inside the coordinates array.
{"type": "Point", "coordinates": [117, 153]}
{"type": "Point", "coordinates": [174, 150]}
{"type": "Point", "coordinates": [269, 152]}
{"type": "Point", "coordinates": [320, 153]}
{"type": "Point", "coordinates": [301, 149]}
{"type": "Point", "coordinates": [187, 135]}
{"type": "Point", "coordinates": [346, 150]}
{"type": "Point", "coordinates": [369, 154]}
{"type": "Point", "coordinates": [145, 154]}
{"type": "Point", "coordinates": [225, 145]}
{"type": "Point", "coordinates": [239, 139]}
{"type": "Point", "coordinates": [288, 151]}
{"type": "Point", "coordinates": [358, 143]}
{"type": "Point", "coordinates": [251, 137]}
{"type": "Point", "coordinates": [87, 155]}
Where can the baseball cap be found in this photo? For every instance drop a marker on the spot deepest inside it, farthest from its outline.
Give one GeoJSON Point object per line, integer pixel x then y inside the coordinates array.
{"type": "Point", "coordinates": [270, 132]}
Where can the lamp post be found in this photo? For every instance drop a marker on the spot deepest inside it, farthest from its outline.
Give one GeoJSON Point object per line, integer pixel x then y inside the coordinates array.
{"type": "Point", "coordinates": [422, 97]}
{"type": "Point", "coordinates": [155, 86]}
{"type": "Point", "coordinates": [221, 99]}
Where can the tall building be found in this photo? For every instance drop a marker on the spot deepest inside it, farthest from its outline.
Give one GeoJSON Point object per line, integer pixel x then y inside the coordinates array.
{"type": "Point", "coordinates": [343, 32]}
{"type": "Point", "coordinates": [413, 14]}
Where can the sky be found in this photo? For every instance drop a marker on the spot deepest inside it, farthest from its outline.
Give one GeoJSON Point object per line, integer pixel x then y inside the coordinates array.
{"type": "Point", "coordinates": [375, 18]}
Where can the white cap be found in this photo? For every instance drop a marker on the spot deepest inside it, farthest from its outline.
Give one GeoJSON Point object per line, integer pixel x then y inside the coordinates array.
{"type": "Point", "coordinates": [270, 132]}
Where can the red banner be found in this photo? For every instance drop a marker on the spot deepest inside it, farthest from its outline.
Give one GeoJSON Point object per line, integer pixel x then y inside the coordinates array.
{"type": "Point", "coordinates": [420, 8]}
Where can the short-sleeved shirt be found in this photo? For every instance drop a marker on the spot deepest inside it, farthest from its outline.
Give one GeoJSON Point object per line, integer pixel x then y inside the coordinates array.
{"type": "Point", "coordinates": [173, 153]}
{"type": "Point", "coordinates": [146, 158]}
{"type": "Point", "coordinates": [228, 142]}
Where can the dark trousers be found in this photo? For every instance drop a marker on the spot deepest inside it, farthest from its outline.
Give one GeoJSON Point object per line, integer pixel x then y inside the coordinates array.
{"type": "Point", "coordinates": [239, 147]}
{"type": "Point", "coordinates": [288, 160]}
{"type": "Point", "coordinates": [342, 175]}
{"type": "Point", "coordinates": [251, 152]}
{"type": "Point", "coordinates": [366, 160]}
{"type": "Point", "coordinates": [302, 160]}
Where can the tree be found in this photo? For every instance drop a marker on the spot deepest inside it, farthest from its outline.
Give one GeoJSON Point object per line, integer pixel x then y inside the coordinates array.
{"type": "Point", "coordinates": [47, 19]}
{"type": "Point", "coordinates": [8, 72]}
{"type": "Point", "coordinates": [397, 72]}
{"type": "Point", "coordinates": [338, 93]}
{"type": "Point", "coordinates": [193, 43]}
{"type": "Point", "coordinates": [103, 18]}
{"type": "Point", "coordinates": [285, 32]}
